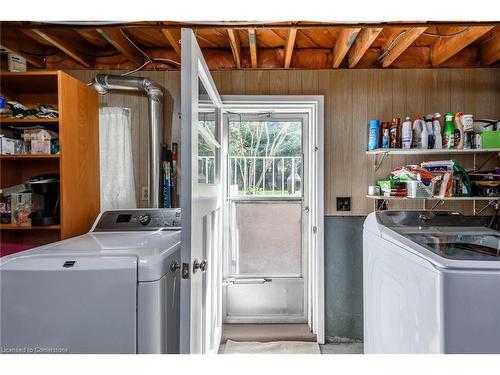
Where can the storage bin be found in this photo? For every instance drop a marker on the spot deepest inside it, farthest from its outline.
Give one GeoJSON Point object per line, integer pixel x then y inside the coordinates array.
{"type": "Point", "coordinates": [416, 189]}
{"type": "Point", "coordinates": [490, 139]}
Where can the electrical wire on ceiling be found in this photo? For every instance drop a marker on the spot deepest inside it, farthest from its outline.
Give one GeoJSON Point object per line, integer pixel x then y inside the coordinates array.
{"type": "Point", "coordinates": [400, 35]}
{"type": "Point", "coordinates": [140, 50]}
{"type": "Point", "coordinates": [446, 35]}
{"type": "Point", "coordinates": [40, 54]}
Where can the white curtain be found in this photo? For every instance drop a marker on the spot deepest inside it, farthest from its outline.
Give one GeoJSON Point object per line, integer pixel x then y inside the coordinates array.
{"type": "Point", "coordinates": [117, 170]}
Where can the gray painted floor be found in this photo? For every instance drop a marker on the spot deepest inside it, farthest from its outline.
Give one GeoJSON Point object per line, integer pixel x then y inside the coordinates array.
{"type": "Point", "coordinates": [331, 348]}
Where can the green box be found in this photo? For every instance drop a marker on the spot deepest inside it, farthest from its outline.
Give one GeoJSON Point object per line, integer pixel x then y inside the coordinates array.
{"type": "Point", "coordinates": [490, 139]}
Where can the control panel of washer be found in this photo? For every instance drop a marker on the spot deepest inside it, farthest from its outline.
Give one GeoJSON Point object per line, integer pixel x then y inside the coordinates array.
{"type": "Point", "coordinates": [139, 220]}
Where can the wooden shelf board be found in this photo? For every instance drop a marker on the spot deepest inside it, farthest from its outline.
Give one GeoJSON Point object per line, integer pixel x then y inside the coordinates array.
{"type": "Point", "coordinates": [20, 227]}
{"type": "Point", "coordinates": [30, 156]}
{"type": "Point", "coordinates": [399, 151]}
{"type": "Point", "coordinates": [381, 197]}
{"type": "Point", "coordinates": [30, 73]}
{"type": "Point", "coordinates": [34, 120]}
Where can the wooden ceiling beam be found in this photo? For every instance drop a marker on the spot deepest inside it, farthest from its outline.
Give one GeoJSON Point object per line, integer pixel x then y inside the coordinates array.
{"type": "Point", "coordinates": [290, 43]}
{"type": "Point", "coordinates": [401, 44]}
{"type": "Point", "coordinates": [444, 48]}
{"type": "Point", "coordinates": [67, 44]}
{"type": "Point", "coordinates": [234, 41]}
{"type": "Point", "coordinates": [173, 40]}
{"type": "Point", "coordinates": [20, 44]}
{"type": "Point", "coordinates": [490, 50]}
{"type": "Point", "coordinates": [117, 39]}
{"type": "Point", "coordinates": [363, 41]}
{"type": "Point", "coordinates": [344, 42]}
{"type": "Point", "coordinates": [252, 42]}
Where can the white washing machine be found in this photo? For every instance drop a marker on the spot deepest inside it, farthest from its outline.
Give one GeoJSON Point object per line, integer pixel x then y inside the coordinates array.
{"type": "Point", "coordinates": [431, 284]}
{"type": "Point", "coordinates": [112, 290]}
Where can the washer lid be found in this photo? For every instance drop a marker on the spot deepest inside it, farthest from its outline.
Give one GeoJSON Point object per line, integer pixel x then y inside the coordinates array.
{"type": "Point", "coordinates": [151, 249]}
{"type": "Point", "coordinates": [447, 239]}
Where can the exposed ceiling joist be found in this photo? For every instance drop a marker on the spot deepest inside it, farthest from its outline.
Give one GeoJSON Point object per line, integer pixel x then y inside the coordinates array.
{"type": "Point", "coordinates": [234, 41]}
{"type": "Point", "coordinates": [490, 50]}
{"type": "Point", "coordinates": [344, 42]}
{"type": "Point", "coordinates": [118, 40]}
{"type": "Point", "coordinates": [173, 40]}
{"type": "Point", "coordinates": [24, 46]}
{"type": "Point", "coordinates": [290, 43]}
{"type": "Point", "coordinates": [444, 48]}
{"type": "Point", "coordinates": [401, 44]}
{"type": "Point", "coordinates": [67, 44]}
{"type": "Point", "coordinates": [252, 42]}
{"type": "Point", "coordinates": [363, 41]}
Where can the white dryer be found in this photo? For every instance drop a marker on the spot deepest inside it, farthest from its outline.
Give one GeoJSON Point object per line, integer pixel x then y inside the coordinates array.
{"type": "Point", "coordinates": [112, 290]}
{"type": "Point", "coordinates": [431, 283]}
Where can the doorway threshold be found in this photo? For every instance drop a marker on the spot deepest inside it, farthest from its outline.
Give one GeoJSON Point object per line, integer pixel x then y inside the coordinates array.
{"type": "Point", "coordinates": [267, 332]}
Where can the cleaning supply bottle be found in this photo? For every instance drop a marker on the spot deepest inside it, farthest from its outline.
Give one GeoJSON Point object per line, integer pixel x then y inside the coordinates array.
{"type": "Point", "coordinates": [417, 133]}
{"type": "Point", "coordinates": [436, 125]}
{"type": "Point", "coordinates": [373, 134]}
{"type": "Point", "coordinates": [424, 136]}
{"type": "Point", "coordinates": [395, 133]}
{"type": "Point", "coordinates": [385, 135]}
{"type": "Point", "coordinates": [430, 131]}
{"type": "Point", "coordinates": [448, 131]}
{"type": "Point", "coordinates": [458, 134]}
{"type": "Point", "coordinates": [406, 133]}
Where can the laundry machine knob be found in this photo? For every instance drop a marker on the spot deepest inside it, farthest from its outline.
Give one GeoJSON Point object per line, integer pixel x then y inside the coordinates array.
{"type": "Point", "coordinates": [144, 219]}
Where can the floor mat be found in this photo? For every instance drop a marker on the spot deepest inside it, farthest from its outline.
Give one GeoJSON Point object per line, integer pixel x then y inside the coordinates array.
{"type": "Point", "coordinates": [275, 347]}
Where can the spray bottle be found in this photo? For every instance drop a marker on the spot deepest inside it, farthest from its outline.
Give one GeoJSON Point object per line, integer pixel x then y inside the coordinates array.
{"type": "Point", "coordinates": [438, 138]}
{"type": "Point", "coordinates": [458, 139]}
{"type": "Point", "coordinates": [448, 131]}
{"type": "Point", "coordinates": [417, 133]}
{"type": "Point", "coordinates": [424, 136]}
{"type": "Point", "coordinates": [430, 131]}
{"type": "Point", "coordinates": [406, 133]}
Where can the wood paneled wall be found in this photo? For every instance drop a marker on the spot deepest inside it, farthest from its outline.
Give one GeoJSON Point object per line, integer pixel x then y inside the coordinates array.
{"type": "Point", "coordinates": [352, 98]}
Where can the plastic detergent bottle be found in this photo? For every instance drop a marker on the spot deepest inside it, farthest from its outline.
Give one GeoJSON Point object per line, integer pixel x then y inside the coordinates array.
{"type": "Point", "coordinates": [458, 134]}
{"type": "Point", "coordinates": [448, 131]}
{"type": "Point", "coordinates": [417, 133]}
{"type": "Point", "coordinates": [424, 136]}
{"type": "Point", "coordinates": [430, 131]}
{"type": "Point", "coordinates": [406, 133]}
{"type": "Point", "coordinates": [436, 125]}
{"type": "Point", "coordinates": [373, 134]}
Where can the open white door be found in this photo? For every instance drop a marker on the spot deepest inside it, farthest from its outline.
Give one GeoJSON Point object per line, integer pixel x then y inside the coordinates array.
{"type": "Point", "coordinates": [201, 197]}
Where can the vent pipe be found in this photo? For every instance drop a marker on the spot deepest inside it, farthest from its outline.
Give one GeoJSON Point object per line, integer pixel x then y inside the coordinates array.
{"type": "Point", "coordinates": [103, 83]}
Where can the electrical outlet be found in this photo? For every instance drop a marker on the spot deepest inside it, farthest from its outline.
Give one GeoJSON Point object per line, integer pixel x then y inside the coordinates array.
{"type": "Point", "coordinates": [145, 193]}
{"type": "Point", "coordinates": [343, 203]}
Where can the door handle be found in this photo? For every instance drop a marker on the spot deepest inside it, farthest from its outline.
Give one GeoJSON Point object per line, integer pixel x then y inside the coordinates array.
{"type": "Point", "coordinates": [232, 280]}
{"type": "Point", "coordinates": [202, 266]}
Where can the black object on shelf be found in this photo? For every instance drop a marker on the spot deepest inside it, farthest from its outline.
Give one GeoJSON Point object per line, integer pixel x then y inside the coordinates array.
{"type": "Point", "coordinates": [46, 185]}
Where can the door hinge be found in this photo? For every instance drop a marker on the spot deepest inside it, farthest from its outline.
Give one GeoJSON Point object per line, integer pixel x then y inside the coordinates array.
{"type": "Point", "coordinates": [185, 270]}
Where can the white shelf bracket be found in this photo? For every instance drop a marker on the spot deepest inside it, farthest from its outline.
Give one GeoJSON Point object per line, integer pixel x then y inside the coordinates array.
{"type": "Point", "coordinates": [491, 203]}
{"type": "Point", "coordinates": [378, 162]}
{"type": "Point", "coordinates": [439, 202]}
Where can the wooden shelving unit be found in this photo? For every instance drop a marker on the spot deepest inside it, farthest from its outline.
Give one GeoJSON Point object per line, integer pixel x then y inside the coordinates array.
{"type": "Point", "coordinates": [28, 121]}
{"type": "Point", "coordinates": [77, 163]}
{"type": "Point", "coordinates": [29, 156]}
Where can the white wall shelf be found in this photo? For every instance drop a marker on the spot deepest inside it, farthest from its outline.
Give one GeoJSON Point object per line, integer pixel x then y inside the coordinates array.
{"type": "Point", "coordinates": [384, 152]}
{"type": "Point", "coordinates": [417, 151]}
{"type": "Point", "coordinates": [490, 201]}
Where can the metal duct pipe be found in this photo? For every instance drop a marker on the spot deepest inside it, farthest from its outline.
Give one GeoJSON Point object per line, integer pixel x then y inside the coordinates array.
{"type": "Point", "coordinates": [104, 83]}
